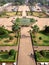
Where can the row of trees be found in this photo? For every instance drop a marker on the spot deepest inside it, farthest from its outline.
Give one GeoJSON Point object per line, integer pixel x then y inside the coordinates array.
{"type": "Point", "coordinates": [43, 2]}
{"type": "Point", "coordinates": [14, 1]}
{"type": "Point", "coordinates": [36, 29]}
{"type": "Point", "coordinates": [16, 27]}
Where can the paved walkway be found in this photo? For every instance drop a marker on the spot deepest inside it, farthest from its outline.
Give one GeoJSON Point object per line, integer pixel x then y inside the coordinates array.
{"type": "Point", "coordinates": [41, 48]}
{"type": "Point", "coordinates": [23, 8]}
{"type": "Point", "coordinates": [25, 49]}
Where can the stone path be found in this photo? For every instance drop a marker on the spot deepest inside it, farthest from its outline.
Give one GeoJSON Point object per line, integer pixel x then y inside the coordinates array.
{"type": "Point", "coordinates": [25, 50]}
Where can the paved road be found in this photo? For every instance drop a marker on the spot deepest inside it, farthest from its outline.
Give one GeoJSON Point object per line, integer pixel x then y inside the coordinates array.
{"type": "Point", "coordinates": [25, 50]}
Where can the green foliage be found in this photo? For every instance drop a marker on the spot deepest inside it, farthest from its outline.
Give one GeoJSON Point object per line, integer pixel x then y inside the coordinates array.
{"type": "Point", "coordinates": [24, 21]}
{"type": "Point", "coordinates": [47, 55]}
{"type": "Point", "coordinates": [5, 56]}
{"type": "Point", "coordinates": [46, 41]}
{"type": "Point", "coordinates": [37, 55]}
{"type": "Point", "coordinates": [32, 20]}
{"type": "Point", "coordinates": [40, 38]}
{"type": "Point", "coordinates": [12, 52]}
{"type": "Point", "coordinates": [34, 36]}
{"type": "Point", "coordinates": [42, 56]}
{"type": "Point", "coordinates": [17, 20]}
{"type": "Point", "coordinates": [10, 38]}
{"type": "Point", "coordinates": [35, 28]}
{"type": "Point", "coordinates": [46, 29]}
{"type": "Point", "coordinates": [15, 27]}
{"type": "Point", "coordinates": [43, 53]}
{"type": "Point", "coordinates": [3, 31]}
{"type": "Point", "coordinates": [20, 2]}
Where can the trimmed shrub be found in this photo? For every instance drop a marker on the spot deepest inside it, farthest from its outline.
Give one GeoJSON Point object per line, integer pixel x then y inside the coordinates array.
{"type": "Point", "coordinates": [12, 52]}
{"type": "Point", "coordinates": [34, 36]}
{"type": "Point", "coordinates": [47, 55]}
{"type": "Point", "coordinates": [10, 38]}
{"type": "Point", "coordinates": [5, 56]}
{"type": "Point", "coordinates": [40, 38]}
{"type": "Point", "coordinates": [43, 53]}
{"type": "Point", "coordinates": [32, 20]}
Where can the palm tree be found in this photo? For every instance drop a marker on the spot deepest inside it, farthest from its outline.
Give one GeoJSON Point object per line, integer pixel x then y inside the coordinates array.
{"type": "Point", "coordinates": [35, 28]}
{"type": "Point", "coordinates": [15, 27]}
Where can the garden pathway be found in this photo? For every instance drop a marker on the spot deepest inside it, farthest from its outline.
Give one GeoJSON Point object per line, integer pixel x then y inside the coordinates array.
{"type": "Point", "coordinates": [23, 8]}
{"type": "Point", "coordinates": [41, 48]}
{"type": "Point", "coordinates": [25, 49]}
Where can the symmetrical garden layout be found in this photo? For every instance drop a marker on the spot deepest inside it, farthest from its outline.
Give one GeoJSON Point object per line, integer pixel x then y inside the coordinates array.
{"type": "Point", "coordinates": [8, 38]}
{"type": "Point", "coordinates": [40, 38]}
{"type": "Point", "coordinates": [8, 56]}
{"type": "Point", "coordinates": [37, 14]}
{"type": "Point", "coordinates": [29, 32]}
{"type": "Point", "coordinates": [42, 56]}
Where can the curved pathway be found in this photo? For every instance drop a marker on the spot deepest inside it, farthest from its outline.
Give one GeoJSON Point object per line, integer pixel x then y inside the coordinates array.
{"type": "Point", "coordinates": [25, 49]}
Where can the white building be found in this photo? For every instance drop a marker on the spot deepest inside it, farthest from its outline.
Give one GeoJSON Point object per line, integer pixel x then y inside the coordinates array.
{"type": "Point", "coordinates": [7, 5]}
{"type": "Point", "coordinates": [35, 8]}
{"type": "Point", "coordinates": [12, 8]}
{"type": "Point", "coordinates": [2, 8]}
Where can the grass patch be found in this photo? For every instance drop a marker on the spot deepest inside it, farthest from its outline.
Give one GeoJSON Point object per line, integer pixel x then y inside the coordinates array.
{"type": "Point", "coordinates": [7, 14]}
{"type": "Point", "coordinates": [8, 38]}
{"type": "Point", "coordinates": [6, 57]}
{"type": "Point", "coordinates": [37, 14]}
{"type": "Point", "coordinates": [25, 21]}
{"type": "Point", "coordinates": [19, 13]}
{"type": "Point", "coordinates": [42, 56]}
{"type": "Point", "coordinates": [40, 39]}
{"type": "Point", "coordinates": [11, 13]}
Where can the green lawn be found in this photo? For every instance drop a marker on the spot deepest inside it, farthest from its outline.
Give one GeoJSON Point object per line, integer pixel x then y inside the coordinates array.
{"type": "Point", "coordinates": [37, 14]}
{"type": "Point", "coordinates": [5, 57]}
{"type": "Point", "coordinates": [44, 41]}
{"type": "Point", "coordinates": [8, 38]}
{"type": "Point", "coordinates": [10, 14]}
{"type": "Point", "coordinates": [7, 14]}
{"type": "Point", "coordinates": [19, 13]}
{"type": "Point", "coordinates": [25, 21]}
{"type": "Point", "coordinates": [42, 57]}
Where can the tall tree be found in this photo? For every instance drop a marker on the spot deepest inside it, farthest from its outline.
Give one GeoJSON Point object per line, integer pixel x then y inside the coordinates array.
{"type": "Point", "coordinates": [35, 28]}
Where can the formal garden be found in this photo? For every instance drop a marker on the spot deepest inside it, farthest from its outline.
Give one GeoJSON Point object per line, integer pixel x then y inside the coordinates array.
{"type": "Point", "coordinates": [40, 38]}
{"type": "Point", "coordinates": [37, 14]}
{"type": "Point", "coordinates": [10, 14]}
{"type": "Point", "coordinates": [9, 38]}
{"type": "Point", "coordinates": [42, 56]}
{"type": "Point", "coordinates": [7, 14]}
{"type": "Point", "coordinates": [25, 21]}
{"type": "Point", "coordinates": [8, 56]}
{"type": "Point", "coordinates": [19, 13]}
